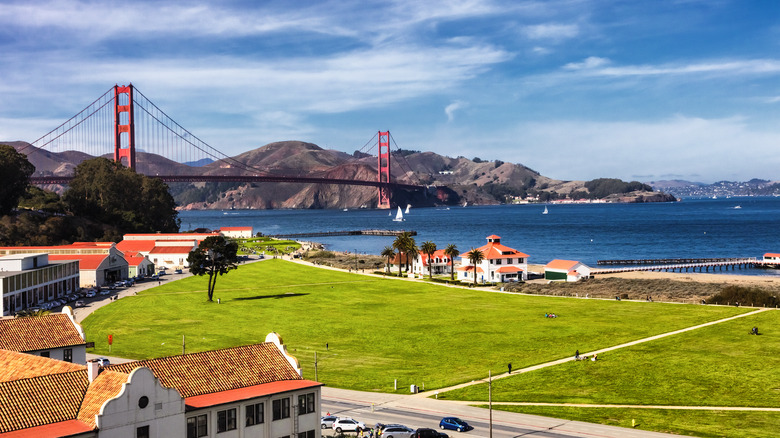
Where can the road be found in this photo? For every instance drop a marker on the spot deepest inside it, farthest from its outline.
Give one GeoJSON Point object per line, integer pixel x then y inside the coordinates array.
{"type": "Point", "coordinates": [416, 412]}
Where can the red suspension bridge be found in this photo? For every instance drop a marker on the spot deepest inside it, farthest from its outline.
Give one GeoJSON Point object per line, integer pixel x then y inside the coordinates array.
{"type": "Point", "coordinates": [141, 134]}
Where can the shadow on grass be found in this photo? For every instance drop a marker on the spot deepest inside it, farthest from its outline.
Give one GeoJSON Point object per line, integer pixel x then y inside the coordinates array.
{"type": "Point", "coordinates": [277, 296]}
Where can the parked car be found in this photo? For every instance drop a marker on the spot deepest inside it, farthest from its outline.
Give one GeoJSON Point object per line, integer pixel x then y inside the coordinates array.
{"type": "Point", "coordinates": [102, 361]}
{"type": "Point", "coordinates": [454, 423]}
{"type": "Point", "coordinates": [80, 303]}
{"type": "Point", "coordinates": [429, 433]}
{"type": "Point", "coordinates": [178, 271]}
{"type": "Point", "coordinates": [326, 422]}
{"type": "Point", "coordinates": [105, 292]}
{"type": "Point", "coordinates": [397, 431]}
{"type": "Point", "coordinates": [91, 294]}
{"type": "Point", "coordinates": [348, 424]}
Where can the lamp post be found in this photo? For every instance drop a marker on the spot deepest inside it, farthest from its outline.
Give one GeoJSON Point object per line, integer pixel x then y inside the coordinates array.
{"type": "Point", "coordinates": [356, 260]}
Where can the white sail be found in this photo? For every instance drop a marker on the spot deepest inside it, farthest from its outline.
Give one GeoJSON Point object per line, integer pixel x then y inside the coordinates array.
{"type": "Point", "coordinates": [399, 216]}
{"type": "Point", "coordinates": [545, 210]}
{"type": "Point", "coordinates": [408, 206]}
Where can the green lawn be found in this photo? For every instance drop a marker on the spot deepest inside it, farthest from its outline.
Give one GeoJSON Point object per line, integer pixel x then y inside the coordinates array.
{"type": "Point", "coordinates": [705, 424]}
{"type": "Point", "coordinates": [379, 329]}
{"type": "Point", "coordinates": [720, 365]}
{"type": "Point", "coordinates": [257, 245]}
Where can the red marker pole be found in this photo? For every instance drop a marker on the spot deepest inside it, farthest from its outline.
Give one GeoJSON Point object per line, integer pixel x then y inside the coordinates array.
{"type": "Point", "coordinates": [110, 341]}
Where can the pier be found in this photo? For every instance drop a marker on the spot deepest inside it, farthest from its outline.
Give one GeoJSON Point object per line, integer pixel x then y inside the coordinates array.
{"type": "Point", "coordinates": [703, 265]}
{"type": "Point", "coordinates": [672, 261]}
{"type": "Point", "coordinates": [345, 233]}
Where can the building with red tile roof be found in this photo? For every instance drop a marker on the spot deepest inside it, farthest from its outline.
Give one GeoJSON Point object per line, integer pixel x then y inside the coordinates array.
{"type": "Point", "coordinates": [500, 264]}
{"type": "Point", "coordinates": [565, 270]}
{"type": "Point", "coordinates": [237, 232]}
{"type": "Point", "coordinates": [56, 335]}
{"type": "Point", "coordinates": [29, 280]}
{"type": "Point", "coordinates": [439, 263]}
{"type": "Point", "coordinates": [244, 391]}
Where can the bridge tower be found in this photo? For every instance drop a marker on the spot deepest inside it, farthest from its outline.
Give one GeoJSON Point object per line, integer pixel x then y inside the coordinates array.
{"type": "Point", "coordinates": [384, 169]}
{"type": "Point", "coordinates": [124, 145]}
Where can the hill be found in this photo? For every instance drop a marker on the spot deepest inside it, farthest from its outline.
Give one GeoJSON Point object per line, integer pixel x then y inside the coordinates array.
{"type": "Point", "coordinates": [451, 181]}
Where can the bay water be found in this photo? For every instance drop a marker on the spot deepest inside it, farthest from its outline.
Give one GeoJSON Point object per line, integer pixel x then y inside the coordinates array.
{"type": "Point", "coordinates": [725, 227]}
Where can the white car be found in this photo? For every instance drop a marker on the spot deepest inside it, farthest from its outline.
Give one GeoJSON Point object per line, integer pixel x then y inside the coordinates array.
{"type": "Point", "coordinates": [397, 431]}
{"type": "Point", "coordinates": [91, 294]}
{"type": "Point", "coordinates": [348, 424]}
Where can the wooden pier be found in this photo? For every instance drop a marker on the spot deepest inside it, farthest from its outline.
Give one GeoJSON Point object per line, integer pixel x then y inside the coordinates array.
{"type": "Point", "coordinates": [345, 233]}
{"type": "Point", "coordinates": [702, 266]}
{"type": "Point", "coordinates": [672, 261]}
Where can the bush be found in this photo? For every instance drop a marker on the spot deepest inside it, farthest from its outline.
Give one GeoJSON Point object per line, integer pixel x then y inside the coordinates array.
{"type": "Point", "coordinates": [748, 296]}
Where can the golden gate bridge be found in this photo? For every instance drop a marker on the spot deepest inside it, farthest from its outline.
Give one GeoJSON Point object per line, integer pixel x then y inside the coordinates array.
{"type": "Point", "coordinates": [143, 135]}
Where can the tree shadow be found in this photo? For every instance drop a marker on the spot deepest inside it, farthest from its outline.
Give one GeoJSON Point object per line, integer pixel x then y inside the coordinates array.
{"type": "Point", "coordinates": [262, 297]}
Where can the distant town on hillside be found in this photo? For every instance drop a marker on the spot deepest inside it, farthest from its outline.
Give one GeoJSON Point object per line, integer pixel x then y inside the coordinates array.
{"type": "Point", "coordinates": [687, 189]}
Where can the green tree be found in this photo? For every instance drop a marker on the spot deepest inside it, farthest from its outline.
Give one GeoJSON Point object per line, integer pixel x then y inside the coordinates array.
{"type": "Point", "coordinates": [15, 171]}
{"type": "Point", "coordinates": [106, 191]}
{"type": "Point", "coordinates": [428, 248]}
{"type": "Point", "coordinates": [389, 253]}
{"type": "Point", "coordinates": [411, 254]}
{"type": "Point", "coordinates": [214, 256]}
{"type": "Point", "coordinates": [475, 257]}
{"type": "Point", "coordinates": [401, 243]}
{"type": "Point", "coordinates": [451, 251]}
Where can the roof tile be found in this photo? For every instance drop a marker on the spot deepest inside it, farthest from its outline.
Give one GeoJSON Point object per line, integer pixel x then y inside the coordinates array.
{"type": "Point", "coordinates": [38, 333]}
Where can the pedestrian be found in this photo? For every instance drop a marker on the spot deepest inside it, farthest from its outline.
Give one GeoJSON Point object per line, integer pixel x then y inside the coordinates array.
{"type": "Point", "coordinates": [577, 355]}
{"type": "Point", "coordinates": [510, 368]}
{"type": "Point", "coordinates": [326, 349]}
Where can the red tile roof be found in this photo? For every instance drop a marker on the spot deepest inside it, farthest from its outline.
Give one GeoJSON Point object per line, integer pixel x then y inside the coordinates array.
{"type": "Point", "coordinates": [105, 387]}
{"type": "Point", "coordinates": [507, 269]}
{"type": "Point", "coordinates": [495, 250]}
{"type": "Point", "coordinates": [772, 254]}
{"type": "Point", "coordinates": [566, 265]}
{"type": "Point", "coordinates": [61, 429]}
{"type": "Point", "coordinates": [135, 246]}
{"type": "Point", "coordinates": [439, 254]}
{"type": "Point", "coordinates": [469, 268]}
{"type": "Point", "coordinates": [218, 370]}
{"type": "Point", "coordinates": [87, 262]}
{"type": "Point", "coordinates": [172, 249]}
{"type": "Point", "coordinates": [38, 333]}
{"type": "Point", "coordinates": [15, 365]}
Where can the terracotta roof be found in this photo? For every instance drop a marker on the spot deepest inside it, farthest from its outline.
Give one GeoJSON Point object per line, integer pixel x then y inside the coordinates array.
{"type": "Point", "coordinates": [38, 333]}
{"type": "Point", "coordinates": [398, 259]}
{"type": "Point", "coordinates": [233, 395]}
{"type": "Point", "coordinates": [135, 246]}
{"type": "Point", "coordinates": [772, 254]}
{"type": "Point", "coordinates": [566, 265]}
{"type": "Point", "coordinates": [87, 262]}
{"type": "Point", "coordinates": [439, 254]}
{"type": "Point", "coordinates": [495, 250]}
{"type": "Point", "coordinates": [105, 387]}
{"type": "Point", "coordinates": [61, 429]}
{"type": "Point", "coordinates": [15, 365]}
{"type": "Point", "coordinates": [504, 269]}
{"type": "Point", "coordinates": [219, 370]}
{"type": "Point", "coordinates": [172, 249]}
{"type": "Point", "coordinates": [41, 400]}
{"type": "Point", "coordinates": [494, 237]}
{"type": "Point", "coordinates": [469, 268]}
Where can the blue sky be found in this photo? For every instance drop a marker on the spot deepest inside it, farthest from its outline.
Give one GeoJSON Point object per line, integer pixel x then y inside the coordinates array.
{"type": "Point", "coordinates": [574, 89]}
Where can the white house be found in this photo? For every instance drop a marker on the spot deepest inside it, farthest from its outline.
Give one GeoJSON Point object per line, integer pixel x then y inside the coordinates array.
{"type": "Point", "coordinates": [565, 270]}
{"type": "Point", "coordinates": [237, 232]}
{"type": "Point", "coordinates": [501, 264]}
{"type": "Point", "coordinates": [56, 335]}
{"type": "Point", "coordinates": [248, 391]}
{"type": "Point", "coordinates": [439, 263]}
{"type": "Point", "coordinates": [29, 279]}
{"type": "Point", "coordinates": [172, 253]}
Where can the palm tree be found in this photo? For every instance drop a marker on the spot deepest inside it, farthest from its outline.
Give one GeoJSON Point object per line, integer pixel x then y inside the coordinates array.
{"type": "Point", "coordinates": [451, 251]}
{"type": "Point", "coordinates": [411, 254]}
{"type": "Point", "coordinates": [475, 257]}
{"type": "Point", "coordinates": [401, 243]}
{"type": "Point", "coordinates": [388, 252]}
{"type": "Point", "coordinates": [428, 248]}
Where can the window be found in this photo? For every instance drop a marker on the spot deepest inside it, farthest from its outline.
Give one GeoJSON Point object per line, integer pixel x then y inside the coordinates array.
{"type": "Point", "coordinates": [254, 414]}
{"type": "Point", "coordinates": [281, 409]}
{"type": "Point", "coordinates": [67, 355]}
{"type": "Point", "coordinates": [307, 434]}
{"type": "Point", "coordinates": [45, 354]}
{"type": "Point", "coordinates": [197, 426]}
{"type": "Point", "coordinates": [305, 403]}
{"type": "Point", "coordinates": [142, 432]}
{"type": "Point", "coordinates": [498, 261]}
{"type": "Point", "coordinates": [226, 420]}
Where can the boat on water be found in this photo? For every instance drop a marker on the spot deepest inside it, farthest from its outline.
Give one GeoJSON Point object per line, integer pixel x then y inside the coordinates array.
{"type": "Point", "coordinates": [408, 206]}
{"type": "Point", "coordinates": [737, 207]}
{"type": "Point", "coordinates": [346, 209]}
{"type": "Point", "coordinates": [399, 216]}
{"type": "Point", "coordinates": [466, 204]}
{"type": "Point", "coordinates": [545, 210]}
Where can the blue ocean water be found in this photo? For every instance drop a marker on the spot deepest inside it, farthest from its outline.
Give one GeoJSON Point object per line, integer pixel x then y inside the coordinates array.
{"type": "Point", "coordinates": [584, 232]}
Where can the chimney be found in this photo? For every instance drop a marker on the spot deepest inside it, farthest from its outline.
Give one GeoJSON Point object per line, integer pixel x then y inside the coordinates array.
{"type": "Point", "coordinates": [93, 369]}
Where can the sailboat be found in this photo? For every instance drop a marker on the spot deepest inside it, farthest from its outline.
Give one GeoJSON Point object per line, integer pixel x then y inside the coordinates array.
{"type": "Point", "coordinates": [545, 210]}
{"type": "Point", "coordinates": [408, 206]}
{"type": "Point", "coordinates": [466, 204]}
{"type": "Point", "coordinates": [399, 217]}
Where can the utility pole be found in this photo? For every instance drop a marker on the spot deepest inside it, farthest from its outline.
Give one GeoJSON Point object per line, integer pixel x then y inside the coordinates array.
{"type": "Point", "coordinates": [490, 401]}
{"type": "Point", "coordinates": [356, 260]}
{"type": "Point", "coordinates": [316, 379]}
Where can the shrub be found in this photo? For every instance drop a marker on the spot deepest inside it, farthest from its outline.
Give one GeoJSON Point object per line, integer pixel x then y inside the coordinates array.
{"type": "Point", "coordinates": [744, 295]}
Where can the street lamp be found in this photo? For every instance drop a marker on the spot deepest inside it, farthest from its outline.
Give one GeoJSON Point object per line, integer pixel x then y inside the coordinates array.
{"type": "Point", "coordinates": [356, 260]}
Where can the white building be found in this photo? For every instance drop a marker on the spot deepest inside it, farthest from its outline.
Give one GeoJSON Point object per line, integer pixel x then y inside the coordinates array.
{"type": "Point", "coordinates": [237, 232]}
{"type": "Point", "coordinates": [565, 270]}
{"type": "Point", "coordinates": [247, 391]}
{"type": "Point", "coordinates": [29, 279]}
{"type": "Point", "coordinates": [439, 263]}
{"type": "Point", "coordinates": [501, 264]}
{"type": "Point", "coordinates": [56, 335]}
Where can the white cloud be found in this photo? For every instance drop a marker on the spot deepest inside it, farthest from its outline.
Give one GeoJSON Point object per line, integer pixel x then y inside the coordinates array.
{"type": "Point", "coordinates": [590, 62]}
{"type": "Point", "coordinates": [551, 31]}
{"type": "Point", "coordinates": [451, 108]}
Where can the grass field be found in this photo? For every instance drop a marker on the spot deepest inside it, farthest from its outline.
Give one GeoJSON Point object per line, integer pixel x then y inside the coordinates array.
{"type": "Point", "coordinates": [377, 329]}
{"type": "Point", "coordinates": [705, 424]}
{"type": "Point", "coordinates": [257, 245]}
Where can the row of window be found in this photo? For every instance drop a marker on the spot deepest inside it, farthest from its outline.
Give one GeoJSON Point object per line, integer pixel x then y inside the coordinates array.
{"type": "Point", "coordinates": [67, 354]}
{"type": "Point", "coordinates": [227, 419]}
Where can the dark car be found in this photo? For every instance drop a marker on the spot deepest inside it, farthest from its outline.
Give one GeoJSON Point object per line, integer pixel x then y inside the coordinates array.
{"type": "Point", "coordinates": [429, 433]}
{"type": "Point", "coordinates": [454, 423]}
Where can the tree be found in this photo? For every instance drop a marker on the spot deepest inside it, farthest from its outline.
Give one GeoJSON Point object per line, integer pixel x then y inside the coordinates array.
{"type": "Point", "coordinates": [451, 251]}
{"type": "Point", "coordinates": [388, 252]}
{"type": "Point", "coordinates": [108, 192]}
{"type": "Point", "coordinates": [15, 171]}
{"type": "Point", "coordinates": [475, 257]}
{"type": "Point", "coordinates": [411, 255]}
{"type": "Point", "coordinates": [401, 243]}
{"type": "Point", "coordinates": [428, 248]}
{"type": "Point", "coordinates": [215, 255]}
